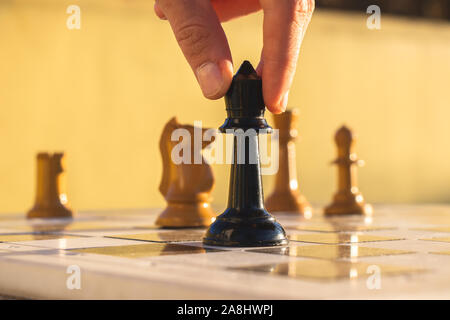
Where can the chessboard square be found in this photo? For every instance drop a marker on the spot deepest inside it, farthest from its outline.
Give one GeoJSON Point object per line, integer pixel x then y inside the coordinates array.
{"type": "Point", "coordinates": [169, 236]}
{"type": "Point", "coordinates": [435, 229]}
{"type": "Point", "coordinates": [438, 239]}
{"type": "Point", "coordinates": [441, 252]}
{"type": "Point", "coordinates": [146, 250]}
{"type": "Point", "coordinates": [33, 237]}
{"type": "Point", "coordinates": [337, 228]}
{"type": "Point", "coordinates": [73, 226]}
{"type": "Point", "coordinates": [331, 251]}
{"type": "Point", "coordinates": [324, 270]}
{"type": "Point", "coordinates": [85, 225]}
{"type": "Point", "coordinates": [338, 238]}
{"type": "Point", "coordinates": [147, 227]}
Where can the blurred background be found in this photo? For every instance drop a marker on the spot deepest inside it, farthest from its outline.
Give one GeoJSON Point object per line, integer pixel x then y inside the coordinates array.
{"type": "Point", "coordinates": [103, 93]}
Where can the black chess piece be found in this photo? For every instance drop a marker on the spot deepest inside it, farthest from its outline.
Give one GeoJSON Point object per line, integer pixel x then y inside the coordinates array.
{"type": "Point", "coordinates": [245, 223]}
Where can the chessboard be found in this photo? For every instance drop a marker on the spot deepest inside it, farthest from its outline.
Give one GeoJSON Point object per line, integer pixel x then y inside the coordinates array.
{"type": "Point", "coordinates": [398, 252]}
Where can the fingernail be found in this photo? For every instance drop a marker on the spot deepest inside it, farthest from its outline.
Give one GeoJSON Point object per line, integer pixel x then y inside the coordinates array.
{"type": "Point", "coordinates": [210, 79]}
{"type": "Point", "coordinates": [284, 101]}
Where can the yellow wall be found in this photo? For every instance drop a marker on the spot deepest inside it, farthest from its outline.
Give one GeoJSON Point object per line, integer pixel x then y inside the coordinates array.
{"type": "Point", "coordinates": [103, 94]}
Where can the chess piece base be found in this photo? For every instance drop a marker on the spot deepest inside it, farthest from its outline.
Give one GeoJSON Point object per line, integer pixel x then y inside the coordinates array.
{"type": "Point", "coordinates": [49, 213]}
{"type": "Point", "coordinates": [344, 208]}
{"type": "Point", "coordinates": [182, 214]}
{"type": "Point", "coordinates": [289, 203]}
{"type": "Point", "coordinates": [245, 228]}
{"type": "Point", "coordinates": [347, 203]}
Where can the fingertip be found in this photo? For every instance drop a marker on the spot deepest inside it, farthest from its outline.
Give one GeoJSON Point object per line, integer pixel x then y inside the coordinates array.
{"type": "Point", "coordinates": [276, 109]}
{"type": "Point", "coordinates": [259, 68]}
{"type": "Point", "coordinates": [226, 68]}
{"type": "Point", "coordinates": [159, 12]}
{"type": "Point", "coordinates": [227, 71]}
{"type": "Point", "coordinates": [215, 78]}
{"type": "Point", "coordinates": [284, 101]}
{"type": "Point", "coordinates": [279, 105]}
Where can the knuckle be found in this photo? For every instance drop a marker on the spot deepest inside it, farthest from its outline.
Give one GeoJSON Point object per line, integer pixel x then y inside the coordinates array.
{"type": "Point", "coordinates": [193, 39]}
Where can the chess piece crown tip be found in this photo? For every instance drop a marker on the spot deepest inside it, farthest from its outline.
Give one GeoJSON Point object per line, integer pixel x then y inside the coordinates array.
{"type": "Point", "coordinates": [344, 136]}
{"type": "Point", "coordinates": [246, 71]}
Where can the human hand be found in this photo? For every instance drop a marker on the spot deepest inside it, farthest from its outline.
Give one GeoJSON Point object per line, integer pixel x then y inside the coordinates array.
{"type": "Point", "coordinates": [197, 28]}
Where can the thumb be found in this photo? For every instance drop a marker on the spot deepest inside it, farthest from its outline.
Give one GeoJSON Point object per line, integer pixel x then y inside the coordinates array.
{"type": "Point", "coordinates": [200, 36]}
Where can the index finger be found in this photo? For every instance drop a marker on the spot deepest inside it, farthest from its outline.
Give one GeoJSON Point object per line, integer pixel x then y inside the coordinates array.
{"type": "Point", "coordinates": [285, 22]}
